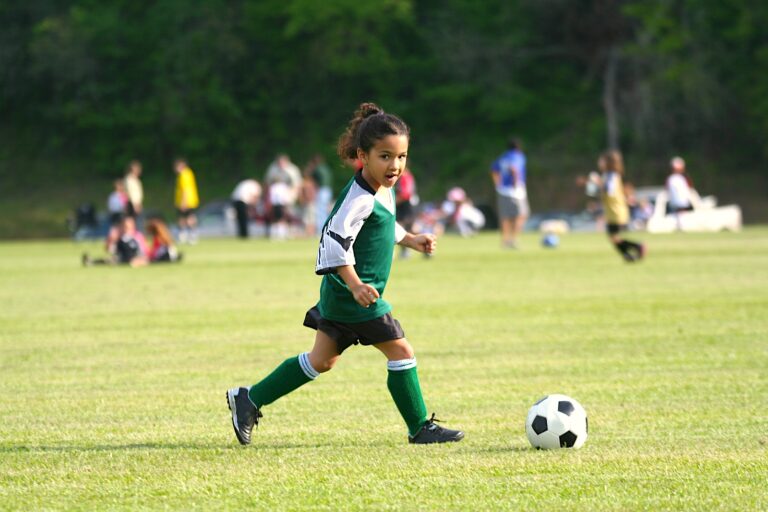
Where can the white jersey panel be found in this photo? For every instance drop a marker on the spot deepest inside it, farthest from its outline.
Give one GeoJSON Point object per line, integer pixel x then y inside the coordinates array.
{"type": "Point", "coordinates": [342, 229]}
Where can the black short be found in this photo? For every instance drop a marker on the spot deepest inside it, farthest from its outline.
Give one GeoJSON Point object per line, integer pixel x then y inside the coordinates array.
{"type": "Point", "coordinates": [615, 229]}
{"type": "Point", "coordinates": [185, 213]}
{"type": "Point", "coordinates": [378, 330]}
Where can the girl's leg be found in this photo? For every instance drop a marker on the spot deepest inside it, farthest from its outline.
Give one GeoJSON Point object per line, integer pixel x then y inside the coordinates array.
{"type": "Point", "coordinates": [403, 383]}
{"type": "Point", "coordinates": [295, 371]}
{"type": "Point", "coordinates": [244, 403]}
{"type": "Point", "coordinates": [627, 247]}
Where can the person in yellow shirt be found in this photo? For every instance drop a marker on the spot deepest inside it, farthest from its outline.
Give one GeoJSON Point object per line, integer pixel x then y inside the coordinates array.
{"type": "Point", "coordinates": [611, 166]}
{"type": "Point", "coordinates": [186, 201]}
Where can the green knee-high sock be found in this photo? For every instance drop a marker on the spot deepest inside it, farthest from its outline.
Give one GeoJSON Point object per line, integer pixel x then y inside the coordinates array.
{"type": "Point", "coordinates": [403, 385]}
{"type": "Point", "coordinates": [291, 374]}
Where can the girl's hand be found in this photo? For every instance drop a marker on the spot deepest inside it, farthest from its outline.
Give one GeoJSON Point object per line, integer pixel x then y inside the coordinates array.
{"type": "Point", "coordinates": [425, 242]}
{"type": "Point", "coordinates": [364, 294]}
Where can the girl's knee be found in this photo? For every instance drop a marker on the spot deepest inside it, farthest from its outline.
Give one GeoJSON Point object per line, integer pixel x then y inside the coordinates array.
{"type": "Point", "coordinates": [322, 365]}
{"type": "Point", "coordinates": [402, 350]}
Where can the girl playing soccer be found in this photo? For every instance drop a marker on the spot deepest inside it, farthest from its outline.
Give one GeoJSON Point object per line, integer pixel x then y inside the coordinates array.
{"type": "Point", "coordinates": [354, 258]}
{"type": "Point", "coordinates": [611, 166]}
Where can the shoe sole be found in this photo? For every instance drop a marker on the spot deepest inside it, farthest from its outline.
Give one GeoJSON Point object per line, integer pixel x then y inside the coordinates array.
{"type": "Point", "coordinates": [233, 409]}
{"type": "Point", "coordinates": [453, 440]}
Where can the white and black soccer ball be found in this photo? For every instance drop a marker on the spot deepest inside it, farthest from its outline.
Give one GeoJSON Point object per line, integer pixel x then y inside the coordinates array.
{"type": "Point", "coordinates": [557, 421]}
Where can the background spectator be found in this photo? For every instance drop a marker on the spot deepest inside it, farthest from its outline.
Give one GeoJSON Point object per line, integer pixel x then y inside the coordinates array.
{"type": "Point", "coordinates": [245, 198]}
{"type": "Point", "coordinates": [187, 200]}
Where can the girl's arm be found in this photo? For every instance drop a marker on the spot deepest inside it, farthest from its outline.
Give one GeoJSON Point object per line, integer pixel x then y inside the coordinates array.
{"type": "Point", "coordinates": [425, 242]}
{"type": "Point", "coordinates": [364, 294]}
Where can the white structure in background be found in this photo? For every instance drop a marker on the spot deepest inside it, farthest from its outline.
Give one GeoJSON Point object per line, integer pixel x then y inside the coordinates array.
{"type": "Point", "coordinates": [705, 216]}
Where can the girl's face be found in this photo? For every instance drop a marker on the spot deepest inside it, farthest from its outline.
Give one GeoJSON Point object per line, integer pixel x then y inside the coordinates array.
{"type": "Point", "coordinates": [385, 162]}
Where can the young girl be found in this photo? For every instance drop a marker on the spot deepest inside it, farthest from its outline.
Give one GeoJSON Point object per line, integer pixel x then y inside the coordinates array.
{"type": "Point", "coordinates": [354, 258]}
{"type": "Point", "coordinates": [611, 166]}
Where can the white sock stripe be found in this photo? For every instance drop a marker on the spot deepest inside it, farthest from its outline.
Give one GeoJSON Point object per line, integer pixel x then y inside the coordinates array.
{"type": "Point", "coordinates": [306, 366]}
{"type": "Point", "coordinates": [401, 365]}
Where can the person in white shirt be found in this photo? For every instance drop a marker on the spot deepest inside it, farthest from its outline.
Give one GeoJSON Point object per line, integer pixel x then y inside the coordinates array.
{"type": "Point", "coordinates": [284, 171]}
{"type": "Point", "coordinates": [678, 187]}
{"type": "Point", "coordinates": [245, 197]}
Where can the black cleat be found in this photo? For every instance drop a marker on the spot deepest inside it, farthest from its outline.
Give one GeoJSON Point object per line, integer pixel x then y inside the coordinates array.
{"type": "Point", "coordinates": [641, 251]}
{"type": "Point", "coordinates": [431, 432]}
{"type": "Point", "coordinates": [244, 414]}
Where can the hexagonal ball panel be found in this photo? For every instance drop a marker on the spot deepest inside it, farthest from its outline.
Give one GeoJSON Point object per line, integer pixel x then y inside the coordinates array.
{"type": "Point", "coordinates": [568, 439]}
{"type": "Point", "coordinates": [565, 407]}
{"type": "Point", "coordinates": [539, 424]}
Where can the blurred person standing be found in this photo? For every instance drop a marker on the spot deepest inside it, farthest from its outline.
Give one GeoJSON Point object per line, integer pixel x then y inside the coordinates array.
{"type": "Point", "coordinates": [244, 198]}
{"type": "Point", "coordinates": [117, 203]}
{"type": "Point", "coordinates": [134, 190]}
{"type": "Point", "coordinates": [405, 201]}
{"type": "Point", "coordinates": [308, 202]}
{"type": "Point", "coordinates": [186, 201]}
{"type": "Point", "coordinates": [509, 177]}
{"type": "Point", "coordinates": [284, 171]}
{"type": "Point", "coordinates": [321, 175]}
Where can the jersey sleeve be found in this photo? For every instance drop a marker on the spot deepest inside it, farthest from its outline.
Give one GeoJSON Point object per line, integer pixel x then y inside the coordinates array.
{"type": "Point", "coordinates": [340, 232]}
{"type": "Point", "coordinates": [400, 232]}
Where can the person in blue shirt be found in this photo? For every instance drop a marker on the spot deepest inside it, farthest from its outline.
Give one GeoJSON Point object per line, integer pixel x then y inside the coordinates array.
{"type": "Point", "coordinates": [509, 174]}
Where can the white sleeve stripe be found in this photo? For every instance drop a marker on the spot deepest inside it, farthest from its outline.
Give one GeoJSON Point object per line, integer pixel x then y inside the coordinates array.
{"type": "Point", "coordinates": [401, 365]}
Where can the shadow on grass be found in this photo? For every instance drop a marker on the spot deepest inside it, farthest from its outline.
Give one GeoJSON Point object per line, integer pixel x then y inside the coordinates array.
{"type": "Point", "coordinates": [504, 449]}
{"type": "Point", "coordinates": [155, 447]}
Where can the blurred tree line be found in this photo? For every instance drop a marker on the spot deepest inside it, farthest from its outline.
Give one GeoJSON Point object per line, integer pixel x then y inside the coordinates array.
{"type": "Point", "coordinates": [89, 84]}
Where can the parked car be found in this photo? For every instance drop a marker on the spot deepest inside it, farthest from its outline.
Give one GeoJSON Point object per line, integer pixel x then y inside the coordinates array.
{"type": "Point", "coordinates": [705, 216]}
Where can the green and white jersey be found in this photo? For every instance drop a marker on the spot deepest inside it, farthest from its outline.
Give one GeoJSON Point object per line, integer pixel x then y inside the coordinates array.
{"type": "Point", "coordinates": [360, 231]}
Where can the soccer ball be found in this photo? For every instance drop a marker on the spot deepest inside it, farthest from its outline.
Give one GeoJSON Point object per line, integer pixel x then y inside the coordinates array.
{"type": "Point", "coordinates": [556, 421]}
{"type": "Point", "coordinates": [550, 241]}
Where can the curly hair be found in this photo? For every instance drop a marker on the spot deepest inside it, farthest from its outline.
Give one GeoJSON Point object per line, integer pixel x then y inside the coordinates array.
{"type": "Point", "coordinates": [369, 124]}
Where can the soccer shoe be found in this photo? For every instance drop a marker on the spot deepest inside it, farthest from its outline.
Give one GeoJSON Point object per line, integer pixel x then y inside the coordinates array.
{"type": "Point", "coordinates": [641, 252]}
{"type": "Point", "coordinates": [244, 414]}
{"type": "Point", "coordinates": [431, 432]}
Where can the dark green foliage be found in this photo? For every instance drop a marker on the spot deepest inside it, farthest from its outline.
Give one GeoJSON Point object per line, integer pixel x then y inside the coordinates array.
{"type": "Point", "coordinates": [229, 84]}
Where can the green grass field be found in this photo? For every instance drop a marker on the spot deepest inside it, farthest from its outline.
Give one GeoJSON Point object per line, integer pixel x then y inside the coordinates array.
{"type": "Point", "coordinates": [113, 379]}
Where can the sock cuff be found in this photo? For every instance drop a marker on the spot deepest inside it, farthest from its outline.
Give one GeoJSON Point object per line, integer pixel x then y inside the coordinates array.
{"type": "Point", "coordinates": [306, 366]}
{"type": "Point", "coordinates": [401, 365]}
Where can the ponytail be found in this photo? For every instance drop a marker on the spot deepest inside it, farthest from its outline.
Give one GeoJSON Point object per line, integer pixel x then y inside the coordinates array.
{"type": "Point", "coordinates": [369, 124]}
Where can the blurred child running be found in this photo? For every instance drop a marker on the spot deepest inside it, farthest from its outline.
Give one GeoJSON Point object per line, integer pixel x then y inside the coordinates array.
{"type": "Point", "coordinates": [611, 165]}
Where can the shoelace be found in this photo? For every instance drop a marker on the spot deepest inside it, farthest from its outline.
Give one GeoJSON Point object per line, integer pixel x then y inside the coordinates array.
{"type": "Point", "coordinates": [430, 424]}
